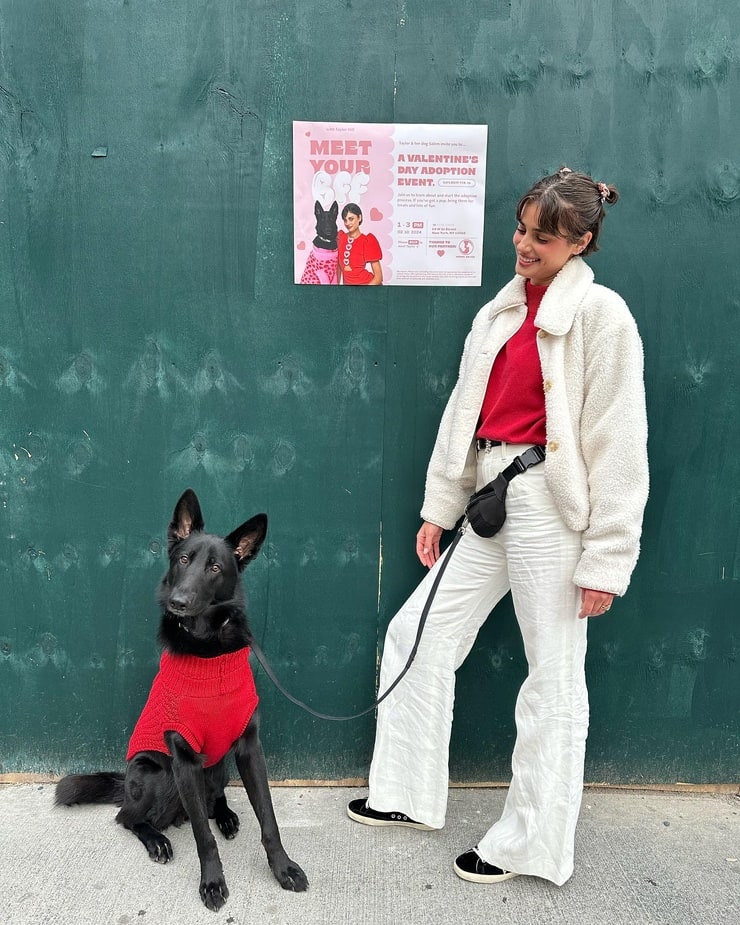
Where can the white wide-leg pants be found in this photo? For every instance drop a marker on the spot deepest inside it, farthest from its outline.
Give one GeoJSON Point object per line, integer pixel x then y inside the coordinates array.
{"type": "Point", "coordinates": [534, 555]}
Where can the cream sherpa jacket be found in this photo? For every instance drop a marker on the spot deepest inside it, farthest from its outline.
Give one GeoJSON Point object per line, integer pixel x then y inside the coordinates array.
{"type": "Point", "coordinates": [592, 371]}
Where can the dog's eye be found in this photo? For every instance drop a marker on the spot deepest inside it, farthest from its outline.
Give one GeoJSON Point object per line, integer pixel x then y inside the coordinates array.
{"type": "Point", "coordinates": [183, 560]}
{"type": "Point", "coordinates": [215, 567]}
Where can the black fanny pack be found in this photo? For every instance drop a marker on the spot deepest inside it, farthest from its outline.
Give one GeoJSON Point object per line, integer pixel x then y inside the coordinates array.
{"type": "Point", "coordinates": [486, 509]}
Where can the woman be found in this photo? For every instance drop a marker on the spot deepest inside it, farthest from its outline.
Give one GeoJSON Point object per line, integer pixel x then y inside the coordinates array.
{"type": "Point", "coordinates": [356, 250]}
{"type": "Point", "coordinates": [555, 361]}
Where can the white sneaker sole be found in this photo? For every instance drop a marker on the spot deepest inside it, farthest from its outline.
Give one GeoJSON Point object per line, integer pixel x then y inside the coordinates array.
{"type": "Point", "coordinates": [484, 878]}
{"type": "Point", "coordinates": [367, 820]}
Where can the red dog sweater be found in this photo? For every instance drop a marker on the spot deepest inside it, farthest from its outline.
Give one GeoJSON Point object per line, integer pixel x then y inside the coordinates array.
{"type": "Point", "coordinates": [209, 701]}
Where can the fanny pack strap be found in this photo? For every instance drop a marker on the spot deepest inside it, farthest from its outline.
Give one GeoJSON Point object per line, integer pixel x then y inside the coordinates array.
{"type": "Point", "coordinates": [531, 457]}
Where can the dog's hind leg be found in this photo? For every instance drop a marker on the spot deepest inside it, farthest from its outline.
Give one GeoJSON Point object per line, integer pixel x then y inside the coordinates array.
{"type": "Point", "coordinates": [149, 797]}
{"type": "Point", "coordinates": [155, 842]}
{"type": "Point", "coordinates": [250, 760]}
{"type": "Point", "coordinates": [218, 809]}
{"type": "Point", "coordinates": [226, 819]}
{"type": "Point", "coordinates": [188, 770]}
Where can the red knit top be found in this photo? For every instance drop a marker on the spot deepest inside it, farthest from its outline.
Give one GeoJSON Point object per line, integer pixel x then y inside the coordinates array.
{"type": "Point", "coordinates": [209, 701]}
{"type": "Point", "coordinates": [354, 254]}
{"type": "Point", "coordinates": [513, 409]}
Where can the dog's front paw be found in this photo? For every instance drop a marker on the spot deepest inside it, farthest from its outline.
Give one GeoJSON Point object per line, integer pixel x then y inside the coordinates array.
{"type": "Point", "coordinates": [290, 876]}
{"type": "Point", "coordinates": [214, 893]}
{"type": "Point", "coordinates": [228, 822]}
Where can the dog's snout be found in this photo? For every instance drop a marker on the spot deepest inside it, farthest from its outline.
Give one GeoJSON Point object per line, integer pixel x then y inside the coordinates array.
{"type": "Point", "coordinates": [178, 603]}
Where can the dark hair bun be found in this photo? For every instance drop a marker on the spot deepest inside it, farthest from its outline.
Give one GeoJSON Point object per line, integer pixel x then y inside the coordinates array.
{"type": "Point", "coordinates": [612, 194]}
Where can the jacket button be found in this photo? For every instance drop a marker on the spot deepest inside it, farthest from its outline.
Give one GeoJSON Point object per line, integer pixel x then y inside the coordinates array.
{"type": "Point", "coordinates": [542, 334]}
{"type": "Point", "coordinates": [552, 446]}
{"type": "Point", "coordinates": [548, 385]}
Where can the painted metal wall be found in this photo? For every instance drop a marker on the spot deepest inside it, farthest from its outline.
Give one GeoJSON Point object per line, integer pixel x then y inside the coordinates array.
{"type": "Point", "coordinates": [152, 339]}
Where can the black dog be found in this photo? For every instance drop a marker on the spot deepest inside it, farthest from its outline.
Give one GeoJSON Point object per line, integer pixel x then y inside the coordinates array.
{"type": "Point", "coordinates": [321, 266]}
{"type": "Point", "coordinates": [176, 762]}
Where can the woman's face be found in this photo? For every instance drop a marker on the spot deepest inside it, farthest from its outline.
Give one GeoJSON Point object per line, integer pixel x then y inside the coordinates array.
{"type": "Point", "coordinates": [539, 256]}
{"type": "Point", "coordinates": [352, 223]}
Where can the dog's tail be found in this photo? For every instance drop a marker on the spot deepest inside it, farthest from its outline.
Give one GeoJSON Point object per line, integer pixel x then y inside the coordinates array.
{"type": "Point", "coordinates": [104, 787]}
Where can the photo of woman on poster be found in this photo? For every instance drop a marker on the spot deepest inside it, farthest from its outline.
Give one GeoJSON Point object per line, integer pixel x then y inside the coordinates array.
{"type": "Point", "coordinates": [356, 250]}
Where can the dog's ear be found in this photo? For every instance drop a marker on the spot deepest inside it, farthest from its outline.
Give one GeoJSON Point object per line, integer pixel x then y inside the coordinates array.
{"type": "Point", "coordinates": [247, 539]}
{"type": "Point", "coordinates": [186, 519]}
{"type": "Point", "coordinates": [317, 210]}
{"type": "Point", "coordinates": [334, 210]}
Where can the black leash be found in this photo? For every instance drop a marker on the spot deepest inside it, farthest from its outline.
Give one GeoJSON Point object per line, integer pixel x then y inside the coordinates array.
{"type": "Point", "coordinates": [531, 457]}
{"type": "Point", "coordinates": [260, 655]}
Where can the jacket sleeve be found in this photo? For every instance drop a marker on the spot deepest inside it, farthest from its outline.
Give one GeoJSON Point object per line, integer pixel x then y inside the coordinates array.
{"type": "Point", "coordinates": [444, 497]}
{"type": "Point", "coordinates": [614, 447]}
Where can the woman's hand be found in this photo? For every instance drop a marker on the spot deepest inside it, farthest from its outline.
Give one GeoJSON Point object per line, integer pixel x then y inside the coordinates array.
{"type": "Point", "coordinates": [594, 603]}
{"type": "Point", "coordinates": [427, 543]}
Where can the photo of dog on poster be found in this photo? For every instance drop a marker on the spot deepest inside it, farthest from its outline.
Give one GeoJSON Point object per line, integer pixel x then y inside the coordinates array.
{"type": "Point", "coordinates": [322, 266]}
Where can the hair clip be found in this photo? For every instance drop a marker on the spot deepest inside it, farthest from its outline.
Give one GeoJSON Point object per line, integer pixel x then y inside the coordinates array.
{"type": "Point", "coordinates": [603, 191]}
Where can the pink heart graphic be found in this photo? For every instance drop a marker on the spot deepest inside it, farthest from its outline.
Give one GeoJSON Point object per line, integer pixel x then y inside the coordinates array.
{"type": "Point", "coordinates": [375, 215]}
{"type": "Point", "coordinates": [440, 253]}
{"type": "Point", "coordinates": [301, 245]}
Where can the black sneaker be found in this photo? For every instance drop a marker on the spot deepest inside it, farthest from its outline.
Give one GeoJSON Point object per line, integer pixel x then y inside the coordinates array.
{"type": "Point", "coordinates": [471, 866]}
{"type": "Point", "coordinates": [361, 812]}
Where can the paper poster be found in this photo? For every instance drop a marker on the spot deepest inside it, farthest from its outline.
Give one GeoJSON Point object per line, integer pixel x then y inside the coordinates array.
{"type": "Point", "coordinates": [386, 204]}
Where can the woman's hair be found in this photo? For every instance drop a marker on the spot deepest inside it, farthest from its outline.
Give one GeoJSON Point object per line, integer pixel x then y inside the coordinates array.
{"type": "Point", "coordinates": [570, 204]}
{"type": "Point", "coordinates": [353, 208]}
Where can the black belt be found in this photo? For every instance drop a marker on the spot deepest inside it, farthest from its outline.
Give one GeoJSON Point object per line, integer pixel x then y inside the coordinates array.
{"type": "Point", "coordinates": [483, 443]}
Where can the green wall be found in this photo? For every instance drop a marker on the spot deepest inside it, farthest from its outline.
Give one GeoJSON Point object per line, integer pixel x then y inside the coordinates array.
{"type": "Point", "coordinates": [151, 339]}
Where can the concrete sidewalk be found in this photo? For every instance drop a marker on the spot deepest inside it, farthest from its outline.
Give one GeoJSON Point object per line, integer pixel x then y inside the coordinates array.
{"type": "Point", "coordinates": [643, 858]}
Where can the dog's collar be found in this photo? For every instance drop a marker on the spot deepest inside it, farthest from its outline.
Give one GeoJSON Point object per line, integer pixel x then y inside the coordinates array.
{"type": "Point", "coordinates": [325, 240]}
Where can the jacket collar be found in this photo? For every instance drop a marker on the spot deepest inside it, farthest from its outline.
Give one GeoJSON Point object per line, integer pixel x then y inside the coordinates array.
{"type": "Point", "coordinates": [561, 301]}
